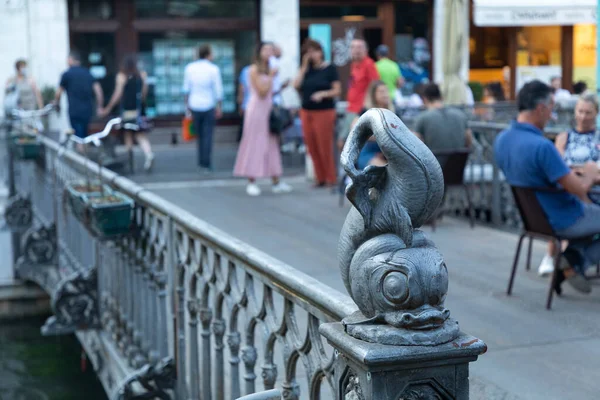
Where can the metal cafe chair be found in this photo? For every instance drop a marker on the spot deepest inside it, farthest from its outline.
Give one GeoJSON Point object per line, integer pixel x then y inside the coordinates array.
{"type": "Point", "coordinates": [453, 163]}
{"type": "Point", "coordinates": [536, 226]}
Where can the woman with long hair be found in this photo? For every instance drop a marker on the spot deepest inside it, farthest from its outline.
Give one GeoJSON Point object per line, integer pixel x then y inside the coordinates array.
{"type": "Point", "coordinates": [319, 84]}
{"type": "Point", "coordinates": [378, 96]}
{"type": "Point", "coordinates": [131, 88]}
{"type": "Point", "coordinates": [258, 155]}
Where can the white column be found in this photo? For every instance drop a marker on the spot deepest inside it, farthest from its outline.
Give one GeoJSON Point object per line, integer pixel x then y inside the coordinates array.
{"type": "Point", "coordinates": [37, 31]}
{"type": "Point", "coordinates": [438, 42]}
{"type": "Point", "coordinates": [14, 41]}
{"type": "Point", "coordinates": [280, 23]}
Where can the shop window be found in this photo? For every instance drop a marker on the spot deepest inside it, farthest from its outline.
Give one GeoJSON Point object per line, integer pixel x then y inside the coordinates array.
{"type": "Point", "coordinates": [337, 12]}
{"type": "Point", "coordinates": [165, 55]}
{"type": "Point", "coordinates": [195, 8]}
{"type": "Point", "coordinates": [538, 46]}
{"type": "Point", "coordinates": [412, 43]}
{"type": "Point", "coordinates": [488, 47]}
{"type": "Point", "coordinates": [538, 54]}
{"type": "Point", "coordinates": [86, 9]}
{"type": "Point", "coordinates": [584, 54]}
{"type": "Point", "coordinates": [97, 52]}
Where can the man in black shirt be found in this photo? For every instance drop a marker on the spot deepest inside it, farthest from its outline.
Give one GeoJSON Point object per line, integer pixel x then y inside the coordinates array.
{"type": "Point", "coordinates": [81, 89]}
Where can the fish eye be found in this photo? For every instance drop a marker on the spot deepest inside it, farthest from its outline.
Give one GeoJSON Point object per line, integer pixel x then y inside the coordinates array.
{"type": "Point", "coordinates": [395, 287]}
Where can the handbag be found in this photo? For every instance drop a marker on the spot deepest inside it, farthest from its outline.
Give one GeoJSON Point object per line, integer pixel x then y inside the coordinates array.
{"type": "Point", "coordinates": [187, 129]}
{"type": "Point", "coordinates": [279, 119]}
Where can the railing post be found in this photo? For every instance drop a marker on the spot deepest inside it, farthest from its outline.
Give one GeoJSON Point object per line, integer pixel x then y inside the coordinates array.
{"type": "Point", "coordinates": [402, 343]}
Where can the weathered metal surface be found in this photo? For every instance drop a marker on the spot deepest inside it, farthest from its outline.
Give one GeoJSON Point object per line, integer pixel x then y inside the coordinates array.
{"type": "Point", "coordinates": [156, 382]}
{"type": "Point", "coordinates": [392, 271]}
{"type": "Point", "coordinates": [74, 304]}
{"type": "Point", "coordinates": [402, 344]}
{"type": "Point", "coordinates": [18, 213]}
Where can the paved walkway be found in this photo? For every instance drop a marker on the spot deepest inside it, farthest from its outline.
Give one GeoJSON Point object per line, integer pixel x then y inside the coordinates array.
{"type": "Point", "coordinates": [533, 353]}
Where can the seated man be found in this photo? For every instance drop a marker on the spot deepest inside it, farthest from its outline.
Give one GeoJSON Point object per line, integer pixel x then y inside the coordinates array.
{"type": "Point", "coordinates": [528, 159]}
{"type": "Point", "coordinates": [440, 127]}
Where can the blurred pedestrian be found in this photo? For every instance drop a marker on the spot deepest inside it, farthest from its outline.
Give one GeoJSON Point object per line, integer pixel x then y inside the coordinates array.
{"type": "Point", "coordinates": [561, 96]}
{"type": "Point", "coordinates": [319, 85]}
{"type": "Point", "coordinates": [203, 90]}
{"type": "Point", "coordinates": [28, 96]}
{"type": "Point", "coordinates": [378, 97]}
{"type": "Point", "coordinates": [362, 73]}
{"type": "Point", "coordinates": [278, 85]}
{"type": "Point", "coordinates": [389, 71]}
{"type": "Point", "coordinates": [493, 93]}
{"type": "Point", "coordinates": [243, 96]}
{"type": "Point", "coordinates": [131, 88]}
{"type": "Point", "coordinates": [81, 89]}
{"type": "Point", "coordinates": [258, 155]}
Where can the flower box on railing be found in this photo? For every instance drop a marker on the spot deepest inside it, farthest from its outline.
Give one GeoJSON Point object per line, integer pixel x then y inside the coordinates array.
{"type": "Point", "coordinates": [26, 147]}
{"type": "Point", "coordinates": [75, 192]}
{"type": "Point", "coordinates": [109, 214]}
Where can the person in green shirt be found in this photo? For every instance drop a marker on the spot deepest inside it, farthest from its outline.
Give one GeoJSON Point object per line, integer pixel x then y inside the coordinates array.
{"type": "Point", "coordinates": [389, 72]}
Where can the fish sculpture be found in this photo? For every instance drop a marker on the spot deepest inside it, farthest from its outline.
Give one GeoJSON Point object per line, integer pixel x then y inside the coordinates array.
{"type": "Point", "coordinates": [391, 270]}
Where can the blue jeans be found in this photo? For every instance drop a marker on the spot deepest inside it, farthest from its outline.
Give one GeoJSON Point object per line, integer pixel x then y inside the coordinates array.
{"type": "Point", "coordinates": [204, 125]}
{"type": "Point", "coordinates": [80, 125]}
{"type": "Point", "coordinates": [579, 235]}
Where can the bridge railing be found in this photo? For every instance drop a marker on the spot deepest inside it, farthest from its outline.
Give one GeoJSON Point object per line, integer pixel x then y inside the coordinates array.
{"type": "Point", "coordinates": [176, 305]}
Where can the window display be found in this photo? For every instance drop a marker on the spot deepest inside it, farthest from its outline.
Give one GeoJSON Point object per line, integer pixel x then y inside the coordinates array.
{"type": "Point", "coordinates": [165, 66]}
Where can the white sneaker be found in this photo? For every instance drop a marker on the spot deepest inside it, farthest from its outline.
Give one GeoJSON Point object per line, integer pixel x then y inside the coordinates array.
{"type": "Point", "coordinates": [253, 190]}
{"type": "Point", "coordinates": [281, 187]}
{"type": "Point", "coordinates": [546, 266]}
{"type": "Point", "coordinates": [149, 161]}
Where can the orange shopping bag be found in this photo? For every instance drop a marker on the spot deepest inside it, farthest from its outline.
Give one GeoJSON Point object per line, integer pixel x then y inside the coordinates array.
{"type": "Point", "coordinates": [187, 129]}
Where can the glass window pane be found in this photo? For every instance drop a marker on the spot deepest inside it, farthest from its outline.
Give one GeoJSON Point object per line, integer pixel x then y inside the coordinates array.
{"type": "Point", "coordinates": [85, 9]}
{"type": "Point", "coordinates": [164, 57]}
{"type": "Point", "coordinates": [98, 54]}
{"type": "Point", "coordinates": [195, 8]}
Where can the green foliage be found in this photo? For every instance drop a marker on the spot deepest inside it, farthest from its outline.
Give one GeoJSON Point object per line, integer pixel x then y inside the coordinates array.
{"type": "Point", "coordinates": [477, 89]}
{"type": "Point", "coordinates": [48, 93]}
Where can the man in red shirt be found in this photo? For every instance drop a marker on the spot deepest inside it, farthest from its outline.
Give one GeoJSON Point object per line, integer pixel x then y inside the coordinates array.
{"type": "Point", "coordinates": [362, 73]}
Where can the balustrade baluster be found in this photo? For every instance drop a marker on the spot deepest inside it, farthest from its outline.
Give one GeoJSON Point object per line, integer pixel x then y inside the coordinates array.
{"type": "Point", "coordinates": [154, 316]}
{"type": "Point", "coordinates": [205, 319]}
{"type": "Point", "coordinates": [219, 331]}
{"type": "Point", "coordinates": [234, 340]}
{"type": "Point", "coordinates": [193, 309]}
{"type": "Point", "coordinates": [181, 338]}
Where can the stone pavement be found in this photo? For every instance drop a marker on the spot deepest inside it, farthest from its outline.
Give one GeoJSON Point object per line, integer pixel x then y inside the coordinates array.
{"type": "Point", "coordinates": [179, 163]}
{"type": "Point", "coordinates": [533, 353]}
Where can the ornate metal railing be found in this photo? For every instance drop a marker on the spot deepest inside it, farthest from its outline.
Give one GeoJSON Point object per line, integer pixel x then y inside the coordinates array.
{"type": "Point", "coordinates": [174, 298]}
{"type": "Point", "coordinates": [173, 308]}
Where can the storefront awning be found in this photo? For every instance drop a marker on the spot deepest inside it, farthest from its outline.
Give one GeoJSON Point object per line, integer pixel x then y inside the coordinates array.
{"type": "Point", "coordinates": [534, 12]}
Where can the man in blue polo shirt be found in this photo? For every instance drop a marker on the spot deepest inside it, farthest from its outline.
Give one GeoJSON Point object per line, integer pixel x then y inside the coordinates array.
{"type": "Point", "coordinates": [528, 159]}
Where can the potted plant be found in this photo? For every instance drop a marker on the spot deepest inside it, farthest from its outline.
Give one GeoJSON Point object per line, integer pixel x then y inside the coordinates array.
{"type": "Point", "coordinates": [106, 213]}
{"type": "Point", "coordinates": [26, 147]}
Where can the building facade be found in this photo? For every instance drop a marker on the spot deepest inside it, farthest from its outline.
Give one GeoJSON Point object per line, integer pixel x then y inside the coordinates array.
{"type": "Point", "coordinates": [528, 40]}
{"type": "Point", "coordinates": [166, 33]}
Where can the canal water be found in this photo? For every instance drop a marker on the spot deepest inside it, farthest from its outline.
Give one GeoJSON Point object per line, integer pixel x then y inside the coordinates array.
{"type": "Point", "coordinates": [34, 367]}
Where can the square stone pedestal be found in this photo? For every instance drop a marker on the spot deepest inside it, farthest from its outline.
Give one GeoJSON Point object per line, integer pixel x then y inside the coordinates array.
{"type": "Point", "coordinates": [372, 371]}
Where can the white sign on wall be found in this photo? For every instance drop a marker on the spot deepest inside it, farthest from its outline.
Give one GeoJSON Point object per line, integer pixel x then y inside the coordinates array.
{"type": "Point", "coordinates": [543, 73]}
{"type": "Point", "coordinates": [534, 16]}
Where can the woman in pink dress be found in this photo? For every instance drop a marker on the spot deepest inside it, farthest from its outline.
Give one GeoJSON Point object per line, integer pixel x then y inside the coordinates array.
{"type": "Point", "coordinates": [259, 156]}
